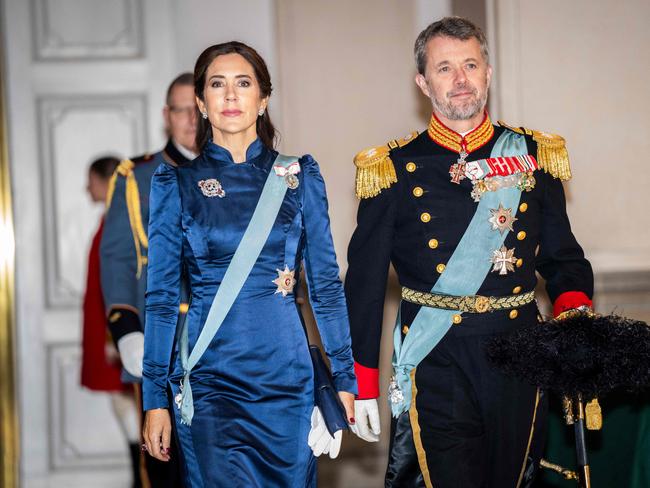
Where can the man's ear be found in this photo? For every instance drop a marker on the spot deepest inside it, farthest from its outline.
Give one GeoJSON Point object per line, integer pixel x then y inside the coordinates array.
{"type": "Point", "coordinates": [421, 82]}
{"type": "Point", "coordinates": [165, 112]}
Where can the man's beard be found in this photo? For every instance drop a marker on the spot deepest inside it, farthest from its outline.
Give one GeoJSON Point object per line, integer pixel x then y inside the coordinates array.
{"type": "Point", "coordinates": [464, 111]}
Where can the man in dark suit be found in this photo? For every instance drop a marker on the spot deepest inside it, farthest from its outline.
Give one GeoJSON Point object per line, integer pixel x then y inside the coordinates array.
{"type": "Point", "coordinates": [467, 212]}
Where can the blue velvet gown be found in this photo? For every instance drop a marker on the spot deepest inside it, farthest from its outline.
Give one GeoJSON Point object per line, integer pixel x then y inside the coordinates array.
{"type": "Point", "coordinates": [253, 387]}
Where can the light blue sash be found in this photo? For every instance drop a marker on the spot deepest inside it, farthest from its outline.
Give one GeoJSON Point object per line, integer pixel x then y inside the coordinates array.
{"type": "Point", "coordinates": [257, 232]}
{"type": "Point", "coordinates": [464, 274]}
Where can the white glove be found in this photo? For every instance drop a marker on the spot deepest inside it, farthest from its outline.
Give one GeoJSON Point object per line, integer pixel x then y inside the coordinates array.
{"type": "Point", "coordinates": [367, 425]}
{"type": "Point", "coordinates": [131, 347]}
{"type": "Point", "coordinates": [320, 440]}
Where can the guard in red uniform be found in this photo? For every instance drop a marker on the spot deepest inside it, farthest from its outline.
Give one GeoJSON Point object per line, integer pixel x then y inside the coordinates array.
{"type": "Point", "coordinates": [100, 364]}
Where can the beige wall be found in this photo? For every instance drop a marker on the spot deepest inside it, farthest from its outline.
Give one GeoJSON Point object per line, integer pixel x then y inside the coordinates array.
{"type": "Point", "coordinates": [347, 83]}
{"type": "Point", "coordinates": [581, 69]}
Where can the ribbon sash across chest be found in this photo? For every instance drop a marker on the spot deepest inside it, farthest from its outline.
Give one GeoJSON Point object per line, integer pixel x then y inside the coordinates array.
{"type": "Point", "coordinates": [242, 263]}
{"type": "Point", "coordinates": [463, 275]}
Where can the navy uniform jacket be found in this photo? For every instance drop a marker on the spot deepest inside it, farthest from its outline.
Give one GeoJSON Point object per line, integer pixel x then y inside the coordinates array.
{"type": "Point", "coordinates": [123, 251]}
{"type": "Point", "coordinates": [416, 222]}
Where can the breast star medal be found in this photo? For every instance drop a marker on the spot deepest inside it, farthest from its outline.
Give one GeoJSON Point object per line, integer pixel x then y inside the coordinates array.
{"type": "Point", "coordinates": [289, 173]}
{"type": "Point", "coordinates": [501, 219]}
{"type": "Point", "coordinates": [212, 188]}
{"type": "Point", "coordinates": [285, 281]}
{"type": "Point", "coordinates": [457, 170]}
{"type": "Point", "coordinates": [503, 260]}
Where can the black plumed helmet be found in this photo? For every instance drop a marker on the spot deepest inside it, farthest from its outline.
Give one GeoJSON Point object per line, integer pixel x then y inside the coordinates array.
{"type": "Point", "coordinates": [582, 354]}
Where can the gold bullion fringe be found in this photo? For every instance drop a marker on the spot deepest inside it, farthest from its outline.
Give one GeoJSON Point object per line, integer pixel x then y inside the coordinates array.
{"type": "Point", "coordinates": [552, 155]}
{"type": "Point", "coordinates": [375, 169]}
{"type": "Point", "coordinates": [374, 178]}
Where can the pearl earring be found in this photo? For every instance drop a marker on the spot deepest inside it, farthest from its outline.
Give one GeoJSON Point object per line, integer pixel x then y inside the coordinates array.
{"type": "Point", "coordinates": [261, 112]}
{"type": "Point", "coordinates": [204, 115]}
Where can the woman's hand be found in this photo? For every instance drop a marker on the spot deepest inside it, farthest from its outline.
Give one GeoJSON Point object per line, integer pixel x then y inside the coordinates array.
{"type": "Point", "coordinates": [157, 433]}
{"type": "Point", "coordinates": [368, 428]}
{"type": "Point", "coordinates": [347, 399]}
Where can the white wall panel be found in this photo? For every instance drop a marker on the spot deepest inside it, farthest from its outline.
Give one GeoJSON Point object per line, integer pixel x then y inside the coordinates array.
{"type": "Point", "coordinates": [75, 130]}
{"type": "Point", "coordinates": [83, 429]}
{"type": "Point", "coordinates": [87, 29]}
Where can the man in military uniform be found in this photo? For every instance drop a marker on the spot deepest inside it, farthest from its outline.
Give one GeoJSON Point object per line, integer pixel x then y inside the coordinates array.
{"type": "Point", "coordinates": [124, 244]}
{"type": "Point", "coordinates": [466, 212]}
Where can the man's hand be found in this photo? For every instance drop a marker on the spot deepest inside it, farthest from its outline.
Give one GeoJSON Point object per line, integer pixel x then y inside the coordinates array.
{"type": "Point", "coordinates": [320, 440]}
{"type": "Point", "coordinates": [157, 433]}
{"type": "Point", "coordinates": [131, 347]}
{"type": "Point", "coordinates": [367, 425]}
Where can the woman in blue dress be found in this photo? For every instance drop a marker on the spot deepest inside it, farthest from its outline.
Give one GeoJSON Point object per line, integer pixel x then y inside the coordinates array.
{"type": "Point", "coordinates": [248, 417]}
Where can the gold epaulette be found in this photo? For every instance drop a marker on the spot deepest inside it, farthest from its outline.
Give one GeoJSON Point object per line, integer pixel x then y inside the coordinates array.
{"type": "Point", "coordinates": [552, 155]}
{"type": "Point", "coordinates": [375, 170]}
{"type": "Point", "coordinates": [132, 195]}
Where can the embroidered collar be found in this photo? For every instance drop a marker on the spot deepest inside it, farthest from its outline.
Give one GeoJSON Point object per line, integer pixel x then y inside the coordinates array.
{"type": "Point", "coordinates": [452, 140]}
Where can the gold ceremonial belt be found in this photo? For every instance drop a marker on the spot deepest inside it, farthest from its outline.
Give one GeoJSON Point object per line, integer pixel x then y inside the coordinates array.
{"type": "Point", "coordinates": [468, 303]}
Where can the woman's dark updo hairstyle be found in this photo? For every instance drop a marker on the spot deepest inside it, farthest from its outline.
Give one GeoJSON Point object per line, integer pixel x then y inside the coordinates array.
{"type": "Point", "coordinates": [265, 130]}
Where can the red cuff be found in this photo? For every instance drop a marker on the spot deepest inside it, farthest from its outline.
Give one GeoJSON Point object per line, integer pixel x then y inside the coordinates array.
{"type": "Point", "coordinates": [367, 381]}
{"type": "Point", "coordinates": [570, 299]}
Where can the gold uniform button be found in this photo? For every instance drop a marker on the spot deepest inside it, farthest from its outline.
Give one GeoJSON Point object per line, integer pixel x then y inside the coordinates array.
{"type": "Point", "coordinates": [521, 235]}
{"type": "Point", "coordinates": [417, 191]}
{"type": "Point", "coordinates": [519, 263]}
{"type": "Point", "coordinates": [405, 329]}
{"type": "Point", "coordinates": [513, 314]}
{"type": "Point", "coordinates": [440, 268]}
{"type": "Point", "coordinates": [516, 290]}
{"type": "Point", "coordinates": [523, 207]}
{"type": "Point", "coordinates": [410, 167]}
{"type": "Point", "coordinates": [457, 319]}
{"type": "Point", "coordinates": [433, 243]}
{"type": "Point", "coordinates": [425, 217]}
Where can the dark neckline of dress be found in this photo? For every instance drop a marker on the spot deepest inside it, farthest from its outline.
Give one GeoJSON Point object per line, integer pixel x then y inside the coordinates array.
{"type": "Point", "coordinates": [255, 154]}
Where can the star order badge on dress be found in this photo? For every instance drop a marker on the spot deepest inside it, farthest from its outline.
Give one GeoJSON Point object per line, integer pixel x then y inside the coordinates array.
{"type": "Point", "coordinates": [285, 281]}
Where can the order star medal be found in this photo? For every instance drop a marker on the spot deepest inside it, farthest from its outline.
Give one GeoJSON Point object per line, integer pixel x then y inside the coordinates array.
{"type": "Point", "coordinates": [502, 219]}
{"type": "Point", "coordinates": [457, 170]}
{"type": "Point", "coordinates": [285, 281]}
{"type": "Point", "coordinates": [503, 260]}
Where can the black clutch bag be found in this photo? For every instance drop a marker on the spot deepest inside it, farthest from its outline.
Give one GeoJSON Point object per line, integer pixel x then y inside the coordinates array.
{"type": "Point", "coordinates": [326, 397]}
